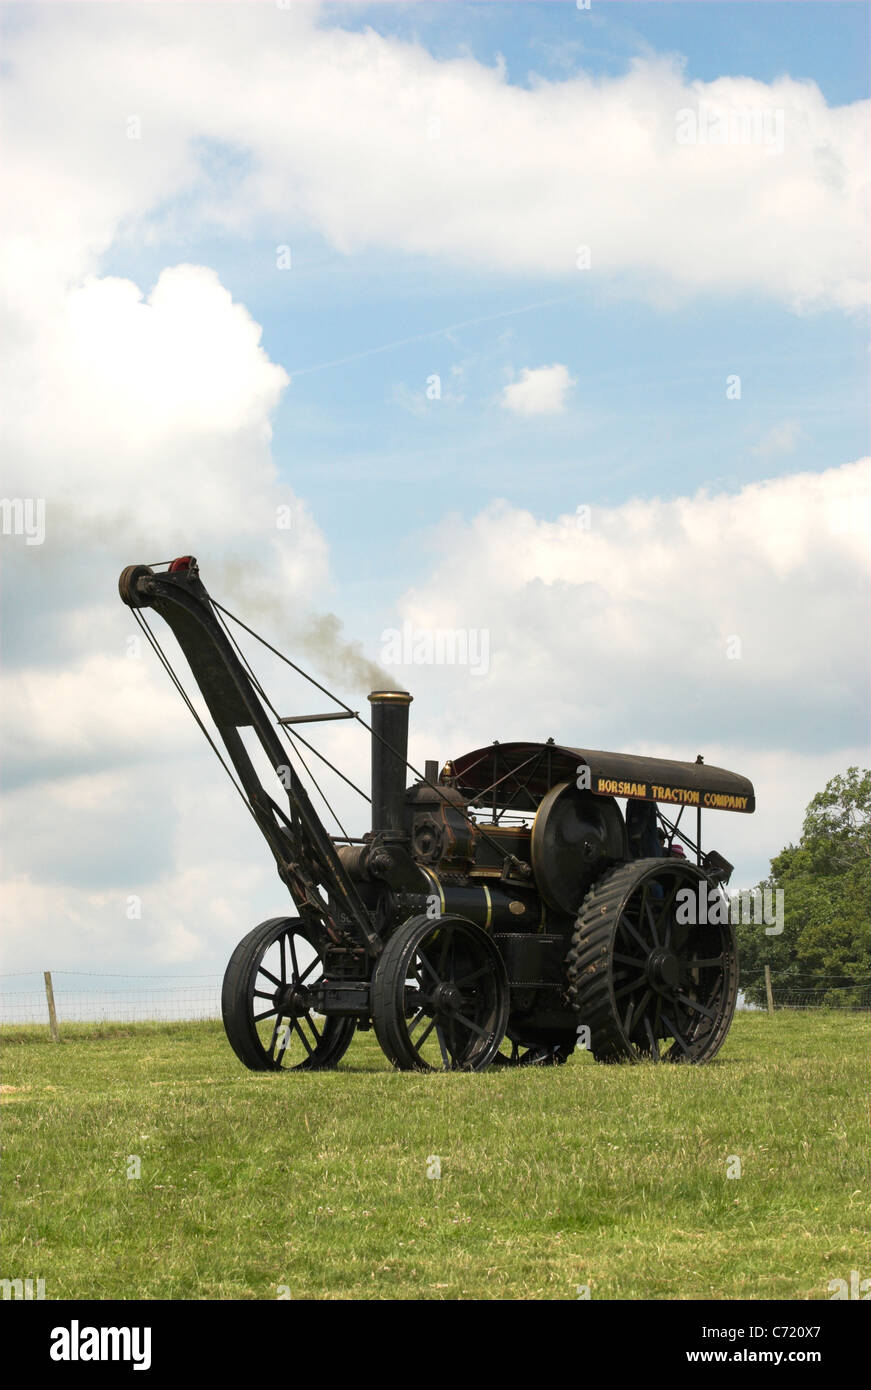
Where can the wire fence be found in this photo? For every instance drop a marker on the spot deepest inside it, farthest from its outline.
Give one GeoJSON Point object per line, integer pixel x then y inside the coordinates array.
{"type": "Point", "coordinates": [157, 998]}
{"type": "Point", "coordinates": [184, 998]}
{"type": "Point", "coordinates": [855, 998]}
{"type": "Point", "coordinates": [821, 999]}
{"type": "Point", "coordinates": [806, 992]}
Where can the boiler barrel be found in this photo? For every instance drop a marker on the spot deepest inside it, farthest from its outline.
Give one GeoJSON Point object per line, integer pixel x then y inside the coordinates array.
{"type": "Point", "coordinates": [492, 906]}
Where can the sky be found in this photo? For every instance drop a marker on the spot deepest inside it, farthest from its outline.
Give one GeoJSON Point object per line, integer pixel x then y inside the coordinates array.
{"type": "Point", "coordinates": [542, 324]}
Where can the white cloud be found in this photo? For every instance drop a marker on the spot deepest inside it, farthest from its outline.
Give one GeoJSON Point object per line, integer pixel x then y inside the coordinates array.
{"type": "Point", "coordinates": [657, 586]}
{"type": "Point", "coordinates": [540, 391]}
{"type": "Point", "coordinates": [154, 400]}
{"type": "Point", "coordinates": [622, 635]}
{"type": "Point", "coordinates": [264, 118]}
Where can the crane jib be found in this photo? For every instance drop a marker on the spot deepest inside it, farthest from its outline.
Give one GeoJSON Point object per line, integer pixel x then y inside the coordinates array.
{"type": "Point", "coordinates": [305, 855]}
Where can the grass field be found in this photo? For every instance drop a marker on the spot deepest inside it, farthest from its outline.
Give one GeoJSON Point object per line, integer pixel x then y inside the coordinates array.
{"type": "Point", "coordinates": [611, 1177]}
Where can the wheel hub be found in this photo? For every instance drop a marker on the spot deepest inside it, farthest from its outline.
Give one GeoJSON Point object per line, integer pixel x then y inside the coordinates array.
{"type": "Point", "coordinates": [447, 998]}
{"type": "Point", "coordinates": [293, 1001]}
{"type": "Point", "coordinates": [663, 969]}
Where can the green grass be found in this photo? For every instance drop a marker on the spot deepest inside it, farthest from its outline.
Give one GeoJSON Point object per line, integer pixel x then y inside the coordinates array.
{"type": "Point", "coordinates": [613, 1177]}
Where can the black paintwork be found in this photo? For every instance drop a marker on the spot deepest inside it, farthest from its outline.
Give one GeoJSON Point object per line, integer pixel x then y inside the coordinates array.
{"type": "Point", "coordinates": [426, 853]}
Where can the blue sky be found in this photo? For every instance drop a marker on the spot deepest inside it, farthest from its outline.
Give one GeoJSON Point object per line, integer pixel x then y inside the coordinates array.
{"type": "Point", "coordinates": [825, 42]}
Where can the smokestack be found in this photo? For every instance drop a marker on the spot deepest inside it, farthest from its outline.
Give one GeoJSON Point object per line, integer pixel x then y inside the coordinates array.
{"type": "Point", "coordinates": [390, 723]}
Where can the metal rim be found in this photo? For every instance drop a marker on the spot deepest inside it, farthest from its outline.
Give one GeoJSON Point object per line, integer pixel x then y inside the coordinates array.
{"type": "Point", "coordinates": [267, 1002]}
{"type": "Point", "coordinates": [440, 996]}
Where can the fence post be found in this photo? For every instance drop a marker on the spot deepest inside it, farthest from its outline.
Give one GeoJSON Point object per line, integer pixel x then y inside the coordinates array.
{"type": "Point", "coordinates": [52, 1012]}
{"type": "Point", "coordinates": [768, 993]}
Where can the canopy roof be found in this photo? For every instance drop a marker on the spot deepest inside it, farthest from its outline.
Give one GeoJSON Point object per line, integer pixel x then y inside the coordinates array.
{"type": "Point", "coordinates": [529, 771]}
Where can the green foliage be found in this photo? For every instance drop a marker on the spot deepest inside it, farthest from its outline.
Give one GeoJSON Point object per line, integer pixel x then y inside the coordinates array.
{"type": "Point", "coordinates": [826, 882]}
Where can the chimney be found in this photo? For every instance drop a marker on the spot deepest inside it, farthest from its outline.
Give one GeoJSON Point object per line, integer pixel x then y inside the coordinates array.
{"type": "Point", "coordinates": [390, 724]}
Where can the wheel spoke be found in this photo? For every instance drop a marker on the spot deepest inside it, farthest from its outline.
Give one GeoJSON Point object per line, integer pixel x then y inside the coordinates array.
{"type": "Point", "coordinates": [694, 1004]}
{"type": "Point", "coordinates": [653, 925]}
{"type": "Point", "coordinates": [475, 975]}
{"type": "Point", "coordinates": [666, 908]}
{"type": "Point", "coordinates": [626, 960]}
{"type": "Point", "coordinates": [701, 964]}
{"type": "Point", "coordinates": [654, 1045]}
{"type": "Point", "coordinates": [282, 952]}
{"type": "Point", "coordinates": [624, 922]}
{"type": "Point", "coordinates": [258, 1018]}
{"type": "Point", "coordinates": [442, 1048]}
{"type": "Point", "coordinates": [423, 960]}
{"type": "Point", "coordinates": [467, 1023]}
{"type": "Point", "coordinates": [421, 989]}
{"type": "Point", "coordinates": [311, 1023]}
{"type": "Point", "coordinates": [656, 1013]}
{"type": "Point", "coordinates": [640, 1007]}
{"type": "Point", "coordinates": [285, 1039]}
{"type": "Point", "coordinates": [308, 970]}
{"type": "Point", "coordinates": [676, 1035]}
{"type": "Point", "coordinates": [424, 1035]}
{"type": "Point", "coordinates": [646, 911]}
{"type": "Point", "coordinates": [294, 959]}
{"type": "Point", "coordinates": [268, 973]}
{"type": "Point", "coordinates": [627, 989]}
{"type": "Point", "coordinates": [305, 1042]}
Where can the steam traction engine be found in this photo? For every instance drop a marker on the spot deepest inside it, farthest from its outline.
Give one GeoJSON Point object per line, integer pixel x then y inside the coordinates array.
{"type": "Point", "coordinates": [499, 910]}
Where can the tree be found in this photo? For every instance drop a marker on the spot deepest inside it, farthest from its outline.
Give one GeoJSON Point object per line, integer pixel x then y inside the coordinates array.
{"type": "Point", "coordinates": [826, 882]}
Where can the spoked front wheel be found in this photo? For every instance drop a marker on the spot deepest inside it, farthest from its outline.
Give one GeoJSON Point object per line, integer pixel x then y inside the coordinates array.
{"type": "Point", "coordinates": [267, 1002]}
{"type": "Point", "coordinates": [440, 996]}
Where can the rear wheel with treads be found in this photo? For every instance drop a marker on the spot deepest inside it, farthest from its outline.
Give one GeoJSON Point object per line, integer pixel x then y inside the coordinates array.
{"type": "Point", "coordinates": [648, 975]}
